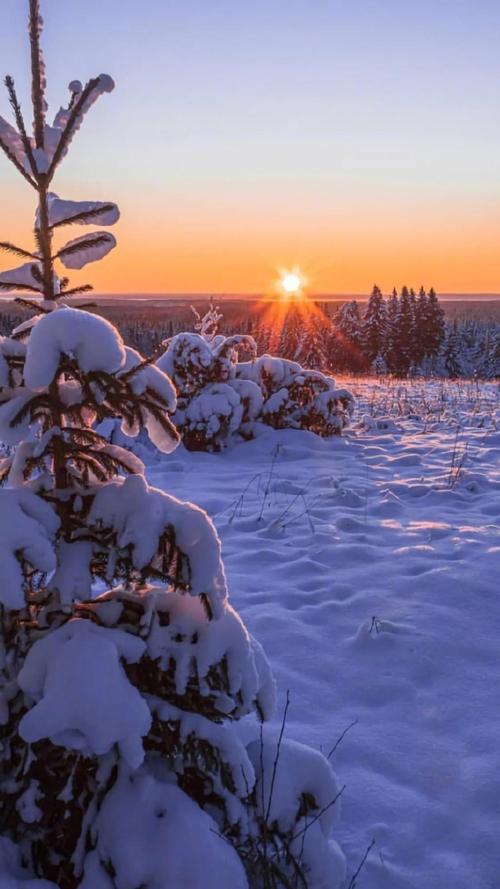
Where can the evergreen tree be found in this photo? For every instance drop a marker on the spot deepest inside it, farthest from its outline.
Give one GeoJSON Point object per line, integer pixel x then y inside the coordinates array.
{"type": "Point", "coordinates": [404, 333]}
{"type": "Point", "coordinates": [434, 326]}
{"type": "Point", "coordinates": [420, 326]}
{"type": "Point", "coordinates": [348, 327]}
{"type": "Point", "coordinates": [305, 334]}
{"type": "Point", "coordinates": [451, 357]}
{"type": "Point", "coordinates": [414, 328]}
{"type": "Point", "coordinates": [492, 367]}
{"type": "Point", "coordinates": [117, 710]}
{"type": "Point", "coordinates": [391, 345]}
{"type": "Point", "coordinates": [379, 365]}
{"type": "Point", "coordinates": [375, 325]}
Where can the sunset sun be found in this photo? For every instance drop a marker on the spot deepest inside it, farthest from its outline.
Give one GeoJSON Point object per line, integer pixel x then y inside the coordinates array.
{"type": "Point", "coordinates": [291, 283]}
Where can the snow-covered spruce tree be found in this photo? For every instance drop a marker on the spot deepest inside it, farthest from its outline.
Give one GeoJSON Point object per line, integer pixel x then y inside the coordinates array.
{"type": "Point", "coordinates": [392, 315]}
{"type": "Point", "coordinates": [492, 364]}
{"type": "Point", "coordinates": [450, 353]}
{"type": "Point", "coordinates": [434, 325]}
{"type": "Point", "coordinates": [405, 333]}
{"type": "Point", "coordinates": [118, 765]}
{"type": "Point", "coordinates": [219, 396]}
{"type": "Point", "coordinates": [348, 328]}
{"type": "Point", "coordinates": [374, 325]}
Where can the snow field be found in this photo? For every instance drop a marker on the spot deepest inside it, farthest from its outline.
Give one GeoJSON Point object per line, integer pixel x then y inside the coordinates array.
{"type": "Point", "coordinates": [368, 568]}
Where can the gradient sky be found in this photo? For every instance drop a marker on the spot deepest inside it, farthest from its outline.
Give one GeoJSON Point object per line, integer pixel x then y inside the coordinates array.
{"type": "Point", "coordinates": [356, 139]}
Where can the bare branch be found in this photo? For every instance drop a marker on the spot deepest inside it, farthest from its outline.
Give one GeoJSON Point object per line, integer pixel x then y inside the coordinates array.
{"type": "Point", "coordinates": [37, 72]}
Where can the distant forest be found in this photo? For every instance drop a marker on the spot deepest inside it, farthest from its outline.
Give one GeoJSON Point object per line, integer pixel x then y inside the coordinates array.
{"type": "Point", "coordinates": [404, 333]}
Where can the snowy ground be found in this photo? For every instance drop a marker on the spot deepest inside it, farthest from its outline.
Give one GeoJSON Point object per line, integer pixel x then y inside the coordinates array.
{"type": "Point", "coordinates": [369, 568]}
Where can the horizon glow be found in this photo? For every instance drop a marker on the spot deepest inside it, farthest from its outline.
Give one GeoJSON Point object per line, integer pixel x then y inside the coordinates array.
{"type": "Point", "coordinates": [358, 142]}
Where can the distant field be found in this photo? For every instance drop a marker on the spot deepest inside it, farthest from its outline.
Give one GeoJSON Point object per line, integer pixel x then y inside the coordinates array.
{"type": "Point", "coordinates": [177, 309]}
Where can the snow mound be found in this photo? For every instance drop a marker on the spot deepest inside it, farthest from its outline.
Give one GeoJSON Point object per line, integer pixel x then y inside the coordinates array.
{"type": "Point", "coordinates": [298, 796]}
{"type": "Point", "coordinates": [12, 873]}
{"type": "Point", "coordinates": [139, 515]}
{"type": "Point", "coordinates": [85, 700]}
{"type": "Point", "coordinates": [153, 835]}
{"type": "Point", "coordinates": [90, 340]}
{"type": "Point", "coordinates": [196, 645]}
{"type": "Point", "coordinates": [27, 526]}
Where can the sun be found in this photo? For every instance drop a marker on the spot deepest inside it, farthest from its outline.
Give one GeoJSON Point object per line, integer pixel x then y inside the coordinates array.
{"type": "Point", "coordinates": [291, 283]}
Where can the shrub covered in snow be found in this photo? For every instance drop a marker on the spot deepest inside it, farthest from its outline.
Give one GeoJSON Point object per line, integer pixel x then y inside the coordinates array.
{"type": "Point", "coordinates": [220, 396]}
{"type": "Point", "coordinates": [122, 664]}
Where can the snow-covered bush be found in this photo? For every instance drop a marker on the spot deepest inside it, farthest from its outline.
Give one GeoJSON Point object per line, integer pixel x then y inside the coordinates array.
{"type": "Point", "coordinates": [296, 398]}
{"type": "Point", "coordinates": [122, 664]}
{"type": "Point", "coordinates": [220, 396]}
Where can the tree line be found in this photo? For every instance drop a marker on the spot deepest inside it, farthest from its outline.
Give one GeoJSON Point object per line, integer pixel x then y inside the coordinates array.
{"type": "Point", "coordinates": [403, 333]}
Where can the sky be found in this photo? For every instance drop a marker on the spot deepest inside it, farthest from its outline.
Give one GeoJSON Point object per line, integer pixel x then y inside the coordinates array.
{"type": "Point", "coordinates": [358, 140]}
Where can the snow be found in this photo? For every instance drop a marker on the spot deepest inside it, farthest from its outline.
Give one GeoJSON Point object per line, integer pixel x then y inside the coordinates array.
{"type": "Point", "coordinates": [92, 341]}
{"type": "Point", "coordinates": [73, 578]}
{"type": "Point", "coordinates": [280, 792]}
{"type": "Point", "coordinates": [63, 212]}
{"type": "Point", "coordinates": [183, 351]}
{"type": "Point", "coordinates": [4, 367]}
{"type": "Point", "coordinates": [27, 525]}
{"type": "Point", "coordinates": [165, 440]}
{"type": "Point", "coordinates": [216, 404]}
{"type": "Point", "coordinates": [52, 134]}
{"type": "Point", "coordinates": [221, 397]}
{"type": "Point", "coordinates": [9, 434]}
{"type": "Point", "coordinates": [12, 874]}
{"type": "Point", "coordinates": [11, 138]}
{"type": "Point", "coordinates": [195, 645]}
{"type": "Point", "coordinates": [140, 515]}
{"type": "Point", "coordinates": [156, 836]}
{"type": "Point", "coordinates": [149, 377]}
{"type": "Point", "coordinates": [84, 700]}
{"type": "Point", "coordinates": [88, 248]}
{"type": "Point", "coordinates": [22, 276]}
{"type": "Point", "coordinates": [43, 157]}
{"type": "Point", "coordinates": [367, 565]}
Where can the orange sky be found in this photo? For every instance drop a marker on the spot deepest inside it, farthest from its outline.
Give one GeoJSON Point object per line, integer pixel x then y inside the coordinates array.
{"type": "Point", "coordinates": [210, 245]}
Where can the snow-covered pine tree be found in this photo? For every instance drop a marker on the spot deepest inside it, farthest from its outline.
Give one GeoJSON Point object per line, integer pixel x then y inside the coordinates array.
{"type": "Point", "coordinates": [379, 366]}
{"type": "Point", "coordinates": [492, 364]}
{"type": "Point", "coordinates": [392, 314]}
{"type": "Point", "coordinates": [348, 333]}
{"type": "Point", "coordinates": [404, 330]}
{"type": "Point", "coordinates": [419, 347]}
{"type": "Point", "coordinates": [434, 326]}
{"type": "Point", "coordinates": [414, 356]}
{"type": "Point", "coordinates": [450, 357]}
{"type": "Point", "coordinates": [375, 325]}
{"type": "Point", "coordinates": [315, 331]}
{"type": "Point", "coordinates": [118, 764]}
